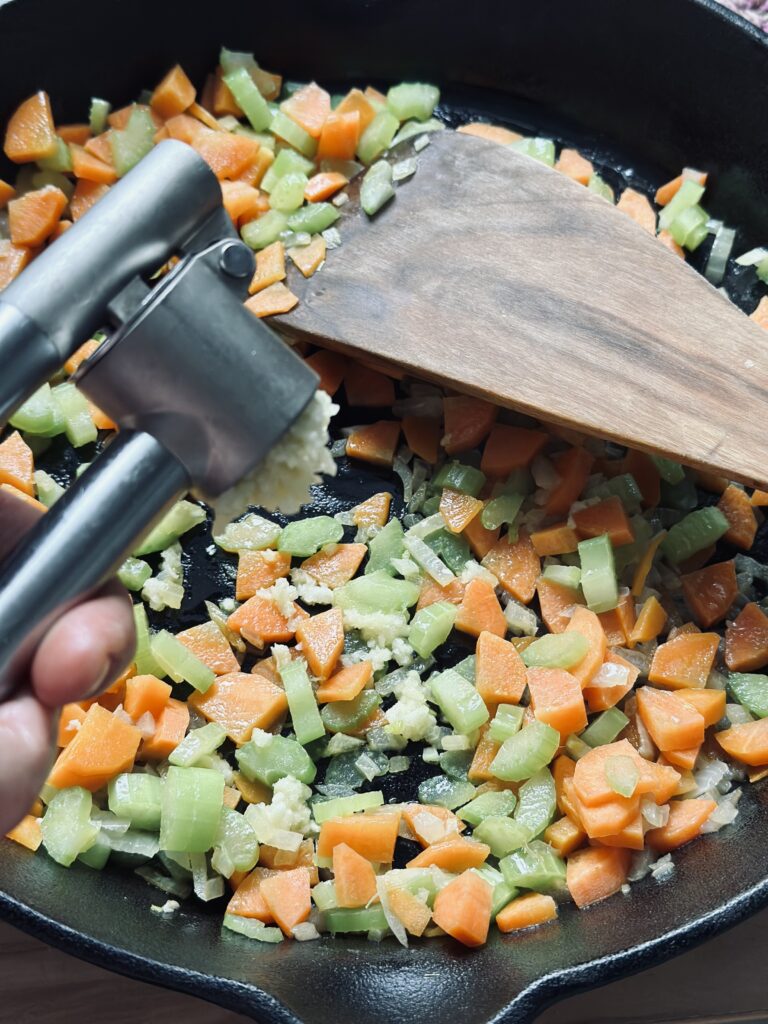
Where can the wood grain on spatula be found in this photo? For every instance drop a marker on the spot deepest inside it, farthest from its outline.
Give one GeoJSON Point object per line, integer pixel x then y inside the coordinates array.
{"type": "Point", "coordinates": [493, 274]}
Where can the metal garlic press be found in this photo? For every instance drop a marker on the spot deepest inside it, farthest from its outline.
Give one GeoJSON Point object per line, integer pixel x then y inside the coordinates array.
{"type": "Point", "coordinates": [200, 388]}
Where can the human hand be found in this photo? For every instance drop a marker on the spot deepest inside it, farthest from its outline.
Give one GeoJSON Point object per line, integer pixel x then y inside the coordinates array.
{"type": "Point", "coordinates": [82, 653]}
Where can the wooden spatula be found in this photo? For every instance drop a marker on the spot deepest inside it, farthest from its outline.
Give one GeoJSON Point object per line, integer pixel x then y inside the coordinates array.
{"type": "Point", "coordinates": [493, 274]}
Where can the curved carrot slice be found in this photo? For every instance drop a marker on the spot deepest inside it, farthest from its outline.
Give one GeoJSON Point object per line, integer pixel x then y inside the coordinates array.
{"type": "Point", "coordinates": [169, 732]}
{"type": "Point", "coordinates": [491, 132]}
{"type": "Point", "coordinates": [209, 644]}
{"type": "Point", "coordinates": [322, 641]}
{"type": "Point", "coordinates": [422, 435]}
{"type": "Point", "coordinates": [376, 443]}
{"type": "Point", "coordinates": [673, 724]}
{"type": "Point", "coordinates": [413, 913]}
{"type": "Point", "coordinates": [649, 624]}
{"type": "Point", "coordinates": [260, 622]}
{"type": "Point", "coordinates": [339, 136]}
{"type": "Point", "coordinates": [335, 564]}
{"type": "Point", "coordinates": [480, 610]}
{"type": "Point", "coordinates": [353, 877]}
{"type": "Point", "coordinates": [17, 463]}
{"type": "Point", "coordinates": [500, 674]}
{"type": "Point", "coordinates": [574, 165]}
{"type": "Point", "coordinates": [516, 566]}
{"type": "Point", "coordinates": [592, 787]}
{"type": "Point", "coordinates": [509, 448]}
{"type": "Point", "coordinates": [346, 683]}
{"type": "Point", "coordinates": [329, 366]}
{"type": "Point", "coordinates": [685, 660]}
{"type": "Point", "coordinates": [323, 186]}
{"type": "Point", "coordinates": [458, 509]}
{"type": "Point", "coordinates": [241, 702]}
{"type": "Point", "coordinates": [746, 640]}
{"type": "Point", "coordinates": [526, 912]}
{"type": "Point", "coordinates": [287, 895]}
{"type": "Point", "coordinates": [374, 511]}
{"type": "Point", "coordinates": [86, 165]}
{"type": "Point", "coordinates": [557, 700]}
{"type": "Point", "coordinates": [355, 100]}
{"type": "Point", "coordinates": [101, 147]}
{"type": "Point", "coordinates": [467, 422]}
{"type": "Point", "coordinates": [432, 592]}
{"type": "Point", "coordinates": [710, 592]}
{"type": "Point", "coordinates": [592, 875]}
{"type": "Point", "coordinates": [665, 193]}
{"type": "Point", "coordinates": [600, 698]}
{"type": "Point", "coordinates": [479, 539]}
{"type": "Point", "coordinates": [587, 623]}
{"type": "Point", "coordinates": [30, 134]}
{"type": "Point", "coordinates": [463, 909]}
{"type": "Point", "coordinates": [685, 759]}
{"type": "Point", "coordinates": [247, 900]}
{"type": "Point", "coordinates": [455, 854]}
{"type": "Point", "coordinates": [145, 694]}
{"type": "Point", "coordinates": [373, 836]}
{"type": "Point", "coordinates": [619, 622]}
{"type": "Point", "coordinates": [226, 154]}
{"type": "Point", "coordinates": [258, 570]}
{"type": "Point", "coordinates": [103, 747]}
{"type": "Point", "coordinates": [747, 742]}
{"type": "Point", "coordinates": [564, 835]}
{"type": "Point", "coordinates": [573, 467]}
{"type": "Point", "coordinates": [558, 604]}
{"type": "Point", "coordinates": [645, 564]}
{"type": "Point", "coordinates": [636, 206]}
{"type": "Point", "coordinates": [563, 770]}
{"type": "Point", "coordinates": [605, 517]}
{"type": "Point", "coordinates": [709, 703]}
{"type": "Point", "coordinates": [555, 540]}
{"type": "Point", "coordinates": [33, 216]}
{"type": "Point", "coordinates": [174, 94]}
{"type": "Point", "coordinates": [685, 820]}
{"type": "Point", "coordinates": [243, 203]}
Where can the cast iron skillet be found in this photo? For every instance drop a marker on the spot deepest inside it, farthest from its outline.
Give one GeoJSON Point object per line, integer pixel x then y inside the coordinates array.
{"type": "Point", "coordinates": [651, 85]}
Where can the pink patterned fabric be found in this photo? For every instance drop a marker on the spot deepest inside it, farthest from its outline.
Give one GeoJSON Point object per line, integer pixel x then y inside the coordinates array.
{"type": "Point", "coordinates": [755, 11]}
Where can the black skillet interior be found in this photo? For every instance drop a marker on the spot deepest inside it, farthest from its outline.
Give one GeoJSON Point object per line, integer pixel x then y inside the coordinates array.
{"type": "Point", "coordinates": [648, 86]}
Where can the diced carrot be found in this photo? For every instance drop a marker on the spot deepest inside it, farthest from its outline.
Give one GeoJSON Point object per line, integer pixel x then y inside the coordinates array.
{"type": "Point", "coordinates": [355, 100]}
{"type": "Point", "coordinates": [339, 136]}
{"type": "Point", "coordinates": [285, 860]}
{"type": "Point", "coordinates": [27, 833]}
{"type": "Point", "coordinates": [272, 301]}
{"type": "Point", "coordinates": [509, 448]}
{"type": "Point", "coordinates": [642, 467]}
{"type": "Point", "coordinates": [376, 443]}
{"type": "Point", "coordinates": [308, 107]}
{"type": "Point", "coordinates": [103, 747]}
{"type": "Point", "coordinates": [253, 173]}
{"type": "Point", "coordinates": [431, 823]}
{"type": "Point", "coordinates": [491, 132]}
{"type": "Point", "coordinates": [668, 191]}
{"type": "Point", "coordinates": [557, 700]}
{"type": "Point", "coordinates": [595, 874]}
{"type": "Point", "coordinates": [685, 759]}
{"type": "Point", "coordinates": [480, 539]}
{"type": "Point", "coordinates": [414, 914]}
{"type": "Point", "coordinates": [209, 644]}
{"type": "Point", "coordinates": [145, 694]}
{"type": "Point", "coordinates": [335, 564]}
{"type": "Point", "coordinates": [760, 315]}
{"type": "Point", "coordinates": [564, 835]}
{"type": "Point", "coordinates": [555, 540]}
{"type": "Point", "coordinates": [591, 785]}
{"type": "Point", "coordinates": [323, 185]}
{"type": "Point", "coordinates": [485, 751]}
{"type": "Point", "coordinates": [463, 909]}
{"type": "Point", "coordinates": [458, 509]}
{"type": "Point", "coordinates": [587, 623]}
{"type": "Point", "coordinates": [100, 419]}
{"type": "Point", "coordinates": [13, 259]}
{"type": "Point", "coordinates": [619, 622]}
{"type": "Point", "coordinates": [467, 422]}
{"type": "Point", "coordinates": [709, 703]}
{"type": "Point", "coordinates": [169, 731]}
{"type": "Point", "coordinates": [672, 724]}
{"type": "Point", "coordinates": [287, 895]}
{"type": "Point", "coordinates": [244, 203]}
{"type": "Point", "coordinates": [17, 463]}
{"type": "Point", "coordinates": [258, 570]}
{"type": "Point", "coordinates": [253, 792]}
{"type": "Point", "coordinates": [62, 227]}
{"type": "Point", "coordinates": [322, 641]}
{"type": "Point", "coordinates": [645, 564]}
{"type": "Point", "coordinates": [517, 566]}
{"type": "Point", "coordinates": [500, 676]}
{"type": "Point", "coordinates": [759, 498]}
{"type": "Point", "coordinates": [174, 93]}
{"type": "Point", "coordinates": [85, 351]}
{"type": "Point", "coordinates": [247, 900]}
{"type": "Point", "coordinates": [346, 683]}
{"type": "Point", "coordinates": [558, 603]}
{"type": "Point", "coordinates": [7, 192]}
{"type": "Point", "coordinates": [605, 517]}
{"type": "Point", "coordinates": [685, 629]}
{"type": "Point", "coordinates": [574, 165]}
{"type": "Point", "coordinates": [373, 836]}
{"type": "Point", "coordinates": [422, 435]}
{"type": "Point", "coordinates": [270, 267]}
{"type": "Point", "coordinates": [353, 877]}
{"type": "Point", "coordinates": [86, 194]}
{"type": "Point", "coordinates": [260, 622]}
{"type": "Point", "coordinates": [710, 592]}
{"type": "Point", "coordinates": [77, 133]}
{"type": "Point", "coordinates": [600, 698]}
{"type": "Point", "coordinates": [100, 146]}
{"type": "Point", "coordinates": [563, 768]}
{"type": "Point", "coordinates": [33, 216]}
{"type": "Point", "coordinates": [712, 482]}
{"type": "Point", "coordinates": [526, 912]}
{"type": "Point", "coordinates": [432, 592]}
{"type": "Point", "coordinates": [217, 97]}
{"type": "Point", "coordinates": [631, 837]}
{"type": "Point", "coordinates": [374, 511]}
{"type": "Point", "coordinates": [455, 854]}
{"type": "Point", "coordinates": [119, 118]}
{"type": "Point", "coordinates": [30, 134]}
{"type": "Point", "coordinates": [746, 640]}
{"type": "Point", "coordinates": [480, 610]}
{"type": "Point", "coordinates": [747, 742]}
{"type": "Point", "coordinates": [367, 388]}
{"type": "Point", "coordinates": [329, 366]}
{"type": "Point", "coordinates": [573, 467]}
{"type": "Point", "coordinates": [697, 561]}
{"type": "Point", "coordinates": [636, 206]}
{"type": "Point", "coordinates": [240, 702]}
{"type": "Point", "coordinates": [685, 660]}
{"type": "Point", "coordinates": [14, 492]}
{"type": "Point", "coordinates": [685, 820]}
{"type": "Point", "coordinates": [66, 730]}
{"type": "Point", "coordinates": [227, 155]}
{"type": "Point", "coordinates": [738, 510]}
{"type": "Point", "coordinates": [202, 114]}
{"type": "Point", "coordinates": [309, 258]}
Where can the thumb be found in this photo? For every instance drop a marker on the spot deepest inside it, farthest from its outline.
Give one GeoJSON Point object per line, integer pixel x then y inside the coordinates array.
{"type": "Point", "coordinates": [25, 756]}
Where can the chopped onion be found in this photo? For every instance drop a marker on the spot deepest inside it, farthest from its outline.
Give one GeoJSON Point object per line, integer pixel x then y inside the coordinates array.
{"type": "Point", "coordinates": [427, 559]}
{"type": "Point", "coordinates": [737, 715]}
{"type": "Point", "coordinates": [305, 932]}
{"type": "Point", "coordinates": [404, 168]}
{"type": "Point", "coordinates": [663, 868]}
{"type": "Point", "coordinates": [168, 908]}
{"type": "Point", "coordinates": [421, 143]}
{"type": "Point", "coordinates": [610, 674]}
{"type": "Point", "coordinates": [394, 922]}
{"type": "Point", "coordinates": [544, 473]}
{"type": "Point", "coordinates": [708, 775]}
{"type": "Point", "coordinates": [455, 742]}
{"type": "Point", "coordinates": [425, 527]}
{"type": "Point", "coordinates": [399, 764]}
{"type": "Point", "coordinates": [640, 865]}
{"type": "Point", "coordinates": [751, 258]}
{"type": "Point", "coordinates": [146, 725]}
{"type": "Point", "coordinates": [367, 767]}
{"type": "Point", "coordinates": [520, 619]}
{"type": "Point", "coordinates": [332, 238]}
{"type": "Point", "coordinates": [719, 255]}
{"type": "Point", "coordinates": [636, 657]}
{"type": "Point", "coordinates": [656, 816]}
{"type": "Point", "coordinates": [403, 470]}
{"type": "Point", "coordinates": [341, 199]}
{"type": "Point", "coordinates": [724, 814]}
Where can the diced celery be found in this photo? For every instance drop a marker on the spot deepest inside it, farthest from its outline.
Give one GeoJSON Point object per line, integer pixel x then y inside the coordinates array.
{"type": "Point", "coordinates": [66, 827]}
{"type": "Point", "coordinates": [377, 592]}
{"type": "Point", "coordinates": [355, 919]}
{"type": "Point", "coordinates": [251, 533]}
{"type": "Point", "coordinates": [506, 722]}
{"type": "Point", "coordinates": [697, 531]}
{"type": "Point", "coordinates": [431, 627]}
{"type": "Point", "coordinates": [526, 753]}
{"type": "Point", "coordinates": [196, 744]}
{"type": "Point", "coordinates": [386, 545]}
{"type": "Point", "coordinates": [314, 218]}
{"type": "Point", "coordinates": [556, 650]}
{"type": "Point", "coordinates": [467, 668]}
{"type": "Point", "coordinates": [251, 928]}
{"type": "Point", "coordinates": [287, 161]}
{"type": "Point", "coordinates": [627, 554]}
{"type": "Point", "coordinates": [750, 690]}
{"type": "Point", "coordinates": [78, 422]}
{"type": "Point", "coordinates": [500, 510]}
{"type": "Point", "coordinates": [96, 856]}
{"type": "Point", "coordinates": [178, 520]}
{"type": "Point", "coordinates": [178, 662]}
{"type": "Point", "coordinates": [269, 758]}
{"type": "Point", "coordinates": [237, 839]}
{"type": "Point", "coordinates": [456, 763]}
{"type": "Point", "coordinates": [682, 496]}
{"type": "Point", "coordinates": [762, 271]}
{"type": "Point", "coordinates": [342, 806]}
{"type": "Point", "coordinates": [191, 809]}
{"type": "Point", "coordinates": [503, 835]}
{"type": "Point", "coordinates": [623, 487]}
{"type": "Point", "coordinates": [265, 230]}
{"type": "Point", "coordinates": [462, 478]}
{"type": "Point", "coordinates": [134, 573]}
{"type": "Point", "coordinates": [536, 802]}
{"type": "Point", "coordinates": [305, 716]}
{"type": "Point", "coordinates": [133, 842]}
{"type": "Point", "coordinates": [598, 573]}
{"type": "Point", "coordinates": [431, 506]}
{"type": "Point", "coordinates": [98, 114]}
{"type": "Point", "coordinates": [446, 792]}
{"type": "Point", "coordinates": [538, 148]}
{"type": "Point", "coordinates": [48, 490]}
{"type": "Point", "coordinates": [461, 704]}
{"type": "Point", "coordinates": [689, 228]}
{"type": "Point", "coordinates": [502, 895]}
{"type": "Point", "coordinates": [132, 144]}
{"type": "Point", "coordinates": [621, 774]}
{"type": "Point", "coordinates": [137, 797]}
{"type": "Point", "coordinates": [535, 866]}
{"type": "Point", "coordinates": [669, 470]}
{"type": "Point", "coordinates": [286, 129]}
{"type": "Point", "coordinates": [39, 415]}
{"type": "Point", "coordinates": [428, 560]}
{"type": "Point", "coordinates": [413, 128]}
{"type": "Point", "coordinates": [413, 100]}
{"type": "Point", "coordinates": [377, 136]}
{"type": "Point", "coordinates": [488, 805]}
{"type": "Point", "coordinates": [600, 187]}
{"type": "Point", "coordinates": [451, 547]}
{"type": "Point", "coordinates": [248, 98]}
{"type": "Point", "coordinates": [288, 193]}
{"type": "Point", "coordinates": [605, 727]}
{"type": "Point", "coordinates": [306, 536]}
{"type": "Point", "coordinates": [376, 188]}
{"type": "Point", "coordinates": [565, 575]}
{"type": "Point", "coordinates": [575, 747]}
{"type": "Point", "coordinates": [143, 658]}
{"type": "Point", "coordinates": [60, 161]}
{"type": "Point", "coordinates": [349, 715]}
{"type": "Point", "coordinates": [688, 195]}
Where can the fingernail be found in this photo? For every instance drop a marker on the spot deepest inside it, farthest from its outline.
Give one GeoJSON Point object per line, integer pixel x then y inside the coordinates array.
{"type": "Point", "coordinates": [100, 681]}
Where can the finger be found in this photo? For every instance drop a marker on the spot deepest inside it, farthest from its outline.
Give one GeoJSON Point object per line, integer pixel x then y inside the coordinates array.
{"type": "Point", "coordinates": [86, 649]}
{"type": "Point", "coordinates": [17, 516]}
{"type": "Point", "coordinates": [25, 756]}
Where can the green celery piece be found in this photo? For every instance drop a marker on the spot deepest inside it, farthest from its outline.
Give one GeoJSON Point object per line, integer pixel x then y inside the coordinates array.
{"type": "Point", "coordinates": [526, 752]}
{"type": "Point", "coordinates": [386, 545]}
{"type": "Point", "coordinates": [605, 728]}
{"type": "Point", "coordinates": [750, 690]}
{"type": "Point", "coordinates": [501, 509]}
{"type": "Point", "coordinates": [134, 573]}
{"type": "Point", "coordinates": [78, 422]}
{"type": "Point", "coordinates": [566, 575]}
{"type": "Point", "coordinates": [459, 477]}
{"type": "Point", "coordinates": [269, 758]}
{"type": "Point", "coordinates": [621, 774]}
{"type": "Point", "coordinates": [349, 715]}
{"type": "Point", "coordinates": [42, 179]}
{"type": "Point", "coordinates": [133, 842]}
{"type": "Point", "coordinates": [669, 470]}
{"type": "Point", "coordinates": [314, 218]}
{"type": "Point", "coordinates": [145, 663]}
{"type": "Point", "coordinates": [66, 827]}
{"type": "Point", "coordinates": [48, 490]}
{"type": "Point", "coordinates": [502, 834]}
{"type": "Point", "coordinates": [179, 519]}
{"type": "Point", "coordinates": [355, 919]}
{"type": "Point", "coordinates": [415, 99]}
{"type": "Point", "coordinates": [576, 747]}
{"type": "Point", "coordinates": [431, 506]}
{"type": "Point", "coordinates": [556, 650]}
{"type": "Point", "coordinates": [688, 195]}
{"type": "Point", "coordinates": [251, 533]}
{"type": "Point", "coordinates": [623, 487]}
{"type": "Point", "coordinates": [467, 668]}
{"type": "Point", "coordinates": [413, 128]}
{"type": "Point", "coordinates": [446, 792]}
{"type": "Point", "coordinates": [98, 114]}
{"type": "Point", "coordinates": [260, 233]}
{"type": "Point", "coordinates": [248, 98]}
{"type": "Point", "coordinates": [451, 547]}
{"type": "Point", "coordinates": [306, 536]}
{"type": "Point", "coordinates": [488, 805]}
{"type": "Point", "coordinates": [506, 722]}
{"type": "Point", "coordinates": [377, 136]}
{"type": "Point", "coordinates": [761, 269]}
{"type": "Point", "coordinates": [180, 663]}
{"type": "Point", "coordinates": [377, 592]}
{"type": "Point", "coordinates": [628, 554]}
{"type": "Point", "coordinates": [698, 530]}
{"type": "Point", "coordinates": [682, 496]}
{"type": "Point", "coordinates": [285, 128]}
{"type": "Point", "coordinates": [502, 895]}
{"type": "Point", "coordinates": [138, 798]}
{"type": "Point", "coordinates": [538, 148]}
{"type": "Point", "coordinates": [431, 626]}
{"type": "Point", "coordinates": [237, 839]}
{"type": "Point", "coordinates": [191, 809]}
{"type": "Point", "coordinates": [689, 228]}
{"type": "Point", "coordinates": [60, 161]}
{"type": "Point", "coordinates": [96, 856]}
{"type": "Point", "coordinates": [134, 142]}
{"type": "Point", "coordinates": [39, 414]}
{"type": "Point", "coordinates": [598, 573]}
{"type": "Point", "coordinates": [305, 716]}
{"type": "Point", "coordinates": [196, 744]}
{"type": "Point", "coordinates": [461, 704]}
{"type": "Point", "coordinates": [288, 193]}
{"type": "Point", "coordinates": [376, 188]}
{"type": "Point", "coordinates": [251, 928]}
{"type": "Point", "coordinates": [344, 805]}
{"type": "Point", "coordinates": [600, 187]}
{"type": "Point", "coordinates": [455, 763]}
{"type": "Point", "coordinates": [287, 161]}
{"type": "Point", "coordinates": [536, 802]}
{"type": "Point", "coordinates": [535, 866]}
